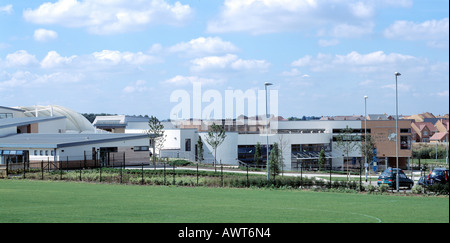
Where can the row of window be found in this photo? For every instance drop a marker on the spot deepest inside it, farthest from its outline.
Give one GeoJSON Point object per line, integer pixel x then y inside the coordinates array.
{"type": "Point", "coordinates": [353, 130]}
{"type": "Point", "coordinates": [44, 152]}
{"type": "Point", "coordinates": [6, 115]}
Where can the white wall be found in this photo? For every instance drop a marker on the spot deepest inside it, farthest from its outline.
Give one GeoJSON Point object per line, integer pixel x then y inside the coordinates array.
{"type": "Point", "coordinates": [52, 126]}
{"type": "Point", "coordinates": [8, 131]}
{"type": "Point", "coordinates": [77, 152]}
{"type": "Point", "coordinates": [226, 152]}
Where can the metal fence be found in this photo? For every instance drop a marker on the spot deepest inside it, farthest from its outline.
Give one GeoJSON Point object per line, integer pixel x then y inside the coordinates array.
{"type": "Point", "coordinates": [165, 174]}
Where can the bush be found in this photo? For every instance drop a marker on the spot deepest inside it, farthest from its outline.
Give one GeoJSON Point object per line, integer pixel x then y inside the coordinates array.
{"type": "Point", "coordinates": [383, 188]}
{"type": "Point", "coordinates": [440, 189]}
{"type": "Point", "coordinates": [417, 189]}
{"type": "Point", "coordinates": [179, 162]}
{"type": "Point", "coordinates": [371, 188]}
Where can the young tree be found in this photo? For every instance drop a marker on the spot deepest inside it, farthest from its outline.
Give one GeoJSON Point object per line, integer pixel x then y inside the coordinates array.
{"type": "Point", "coordinates": [200, 149]}
{"type": "Point", "coordinates": [322, 159]}
{"type": "Point", "coordinates": [257, 157]}
{"type": "Point", "coordinates": [155, 131]}
{"type": "Point", "coordinates": [274, 160]}
{"type": "Point", "coordinates": [283, 144]}
{"type": "Point", "coordinates": [215, 138]}
{"type": "Point", "coordinates": [367, 150]}
{"type": "Point", "coordinates": [346, 142]}
{"type": "Point", "coordinates": [159, 143]}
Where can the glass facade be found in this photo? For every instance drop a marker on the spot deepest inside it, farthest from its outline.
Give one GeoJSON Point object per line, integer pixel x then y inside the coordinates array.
{"type": "Point", "coordinates": [306, 156]}
{"type": "Point", "coordinates": [14, 156]}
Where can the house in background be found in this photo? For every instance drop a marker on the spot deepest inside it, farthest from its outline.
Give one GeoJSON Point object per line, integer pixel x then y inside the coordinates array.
{"type": "Point", "coordinates": [427, 127]}
{"type": "Point", "coordinates": [439, 137]}
{"type": "Point", "coordinates": [423, 131]}
{"type": "Point", "coordinates": [442, 134]}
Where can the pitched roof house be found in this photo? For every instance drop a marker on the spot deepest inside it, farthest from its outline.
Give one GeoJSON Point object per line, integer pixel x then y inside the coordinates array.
{"type": "Point", "coordinates": [422, 131]}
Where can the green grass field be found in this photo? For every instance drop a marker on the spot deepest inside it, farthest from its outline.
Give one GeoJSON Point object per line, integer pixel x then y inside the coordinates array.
{"type": "Point", "coordinates": [53, 201]}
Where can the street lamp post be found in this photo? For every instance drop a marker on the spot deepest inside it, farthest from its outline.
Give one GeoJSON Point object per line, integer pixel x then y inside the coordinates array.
{"type": "Point", "coordinates": [365, 135]}
{"type": "Point", "coordinates": [396, 128]}
{"type": "Point", "coordinates": [267, 131]}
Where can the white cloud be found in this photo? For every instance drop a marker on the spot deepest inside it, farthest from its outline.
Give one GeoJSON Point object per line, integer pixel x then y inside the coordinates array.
{"type": "Point", "coordinates": [43, 35]}
{"type": "Point", "coordinates": [185, 80]}
{"type": "Point", "coordinates": [228, 62]}
{"type": "Point", "coordinates": [139, 86]}
{"type": "Point", "coordinates": [400, 87]}
{"type": "Point", "coordinates": [374, 58]}
{"type": "Point", "coordinates": [325, 43]}
{"type": "Point", "coordinates": [351, 30]}
{"type": "Point", "coordinates": [443, 93]}
{"type": "Point", "coordinates": [435, 32]}
{"type": "Point", "coordinates": [20, 58]}
{"type": "Point", "coordinates": [204, 46]}
{"type": "Point", "coordinates": [53, 59]}
{"type": "Point", "coordinates": [7, 9]}
{"type": "Point", "coordinates": [356, 62]}
{"type": "Point", "coordinates": [109, 17]}
{"type": "Point", "coordinates": [269, 16]}
{"type": "Point", "coordinates": [110, 57]}
{"type": "Point", "coordinates": [29, 79]}
{"type": "Point", "coordinates": [96, 61]}
{"type": "Point", "coordinates": [292, 73]}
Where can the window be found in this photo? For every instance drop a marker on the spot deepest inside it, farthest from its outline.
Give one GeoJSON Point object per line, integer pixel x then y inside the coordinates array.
{"type": "Point", "coordinates": [140, 148]}
{"type": "Point", "coordinates": [405, 142]}
{"type": "Point", "coordinates": [405, 130]}
{"type": "Point", "coordinates": [354, 138]}
{"type": "Point", "coordinates": [354, 130]}
{"type": "Point", "coordinates": [187, 144]}
{"type": "Point", "coordinates": [41, 152]}
{"type": "Point", "coordinates": [6, 115]}
{"type": "Point", "coordinates": [35, 152]}
{"type": "Point", "coordinates": [46, 152]}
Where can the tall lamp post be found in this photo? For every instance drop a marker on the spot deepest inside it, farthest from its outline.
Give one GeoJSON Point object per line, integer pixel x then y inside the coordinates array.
{"type": "Point", "coordinates": [396, 128]}
{"type": "Point", "coordinates": [365, 135]}
{"type": "Point", "coordinates": [266, 84]}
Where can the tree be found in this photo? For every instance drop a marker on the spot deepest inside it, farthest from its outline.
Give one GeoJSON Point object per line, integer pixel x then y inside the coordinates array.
{"type": "Point", "coordinates": [346, 142]}
{"type": "Point", "coordinates": [200, 149]}
{"type": "Point", "coordinates": [283, 145]}
{"type": "Point", "coordinates": [322, 159]}
{"type": "Point", "coordinates": [274, 160]}
{"type": "Point", "coordinates": [155, 131]}
{"type": "Point", "coordinates": [215, 138]}
{"type": "Point", "coordinates": [367, 150]}
{"type": "Point", "coordinates": [258, 156]}
{"type": "Point", "coordinates": [159, 143]}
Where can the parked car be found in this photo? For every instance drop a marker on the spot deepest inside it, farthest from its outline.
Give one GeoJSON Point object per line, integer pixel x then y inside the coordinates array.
{"type": "Point", "coordinates": [389, 177]}
{"type": "Point", "coordinates": [438, 175]}
{"type": "Point", "coordinates": [423, 181]}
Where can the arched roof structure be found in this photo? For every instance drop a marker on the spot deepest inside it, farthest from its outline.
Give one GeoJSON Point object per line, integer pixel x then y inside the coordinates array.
{"type": "Point", "coordinates": [75, 122]}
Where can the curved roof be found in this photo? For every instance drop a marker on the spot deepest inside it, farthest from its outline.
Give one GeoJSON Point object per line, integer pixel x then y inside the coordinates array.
{"type": "Point", "coordinates": [75, 122]}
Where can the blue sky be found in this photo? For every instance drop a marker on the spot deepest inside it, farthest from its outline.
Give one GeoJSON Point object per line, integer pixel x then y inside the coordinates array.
{"type": "Point", "coordinates": [323, 57]}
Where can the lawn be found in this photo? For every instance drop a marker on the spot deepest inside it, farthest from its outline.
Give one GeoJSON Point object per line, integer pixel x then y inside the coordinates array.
{"type": "Point", "coordinates": [59, 201]}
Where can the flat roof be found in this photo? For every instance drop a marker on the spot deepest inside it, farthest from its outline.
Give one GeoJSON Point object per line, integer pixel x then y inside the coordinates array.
{"type": "Point", "coordinates": [12, 122]}
{"type": "Point", "coordinates": [10, 108]}
{"type": "Point", "coordinates": [61, 140]}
